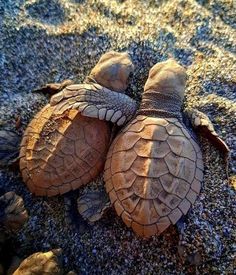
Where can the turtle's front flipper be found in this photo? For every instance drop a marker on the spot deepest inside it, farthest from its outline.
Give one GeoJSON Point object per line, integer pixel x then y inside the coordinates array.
{"type": "Point", "coordinates": [53, 88]}
{"type": "Point", "coordinates": [93, 204]}
{"type": "Point", "coordinates": [203, 125]}
{"type": "Point", "coordinates": [93, 100]}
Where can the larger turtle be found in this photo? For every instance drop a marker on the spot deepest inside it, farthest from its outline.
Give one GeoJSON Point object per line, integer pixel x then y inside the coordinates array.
{"type": "Point", "coordinates": [154, 167]}
{"type": "Point", "coordinates": [60, 151]}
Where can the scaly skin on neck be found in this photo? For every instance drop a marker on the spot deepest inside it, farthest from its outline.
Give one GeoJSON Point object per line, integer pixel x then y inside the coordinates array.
{"type": "Point", "coordinates": [112, 71]}
{"type": "Point", "coordinates": [157, 104]}
{"type": "Point", "coordinates": [164, 90]}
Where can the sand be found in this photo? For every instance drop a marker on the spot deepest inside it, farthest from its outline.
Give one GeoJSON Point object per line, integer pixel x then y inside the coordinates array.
{"type": "Point", "coordinates": [49, 41]}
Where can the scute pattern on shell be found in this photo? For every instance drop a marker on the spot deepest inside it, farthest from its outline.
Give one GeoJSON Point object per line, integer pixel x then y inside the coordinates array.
{"type": "Point", "coordinates": [153, 174]}
{"type": "Point", "coordinates": [60, 153]}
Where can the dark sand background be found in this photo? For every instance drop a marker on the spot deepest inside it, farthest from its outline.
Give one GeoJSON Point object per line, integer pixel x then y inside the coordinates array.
{"type": "Point", "coordinates": [46, 41]}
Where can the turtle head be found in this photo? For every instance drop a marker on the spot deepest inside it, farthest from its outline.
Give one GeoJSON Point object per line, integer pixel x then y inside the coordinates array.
{"type": "Point", "coordinates": [167, 77]}
{"type": "Point", "coordinates": [113, 71]}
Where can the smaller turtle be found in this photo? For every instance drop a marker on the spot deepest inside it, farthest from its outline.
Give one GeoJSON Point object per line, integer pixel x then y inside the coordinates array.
{"type": "Point", "coordinates": [154, 167]}
{"type": "Point", "coordinates": [62, 149]}
{"type": "Point", "coordinates": [41, 263]}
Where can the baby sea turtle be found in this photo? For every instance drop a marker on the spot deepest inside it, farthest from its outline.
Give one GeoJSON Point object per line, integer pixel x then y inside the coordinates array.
{"type": "Point", "coordinates": [41, 263]}
{"type": "Point", "coordinates": [63, 149]}
{"type": "Point", "coordinates": [154, 167]}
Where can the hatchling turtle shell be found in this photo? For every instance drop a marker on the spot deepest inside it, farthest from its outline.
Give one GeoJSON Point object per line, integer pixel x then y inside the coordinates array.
{"type": "Point", "coordinates": [59, 153]}
{"type": "Point", "coordinates": [155, 167]}
{"type": "Point", "coordinates": [63, 149]}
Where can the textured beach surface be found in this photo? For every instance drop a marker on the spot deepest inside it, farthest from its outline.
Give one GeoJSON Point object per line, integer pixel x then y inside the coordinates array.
{"type": "Point", "coordinates": [49, 41]}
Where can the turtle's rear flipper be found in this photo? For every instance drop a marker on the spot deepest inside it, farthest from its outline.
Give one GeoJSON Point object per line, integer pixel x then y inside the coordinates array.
{"type": "Point", "coordinates": [53, 88]}
{"type": "Point", "coordinates": [93, 205]}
